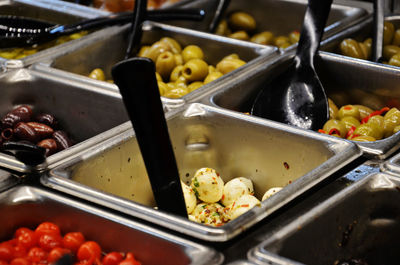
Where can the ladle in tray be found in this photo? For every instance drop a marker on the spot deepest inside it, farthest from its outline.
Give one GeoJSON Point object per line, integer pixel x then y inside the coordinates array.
{"type": "Point", "coordinates": [297, 97]}
{"type": "Point", "coordinates": [137, 83]}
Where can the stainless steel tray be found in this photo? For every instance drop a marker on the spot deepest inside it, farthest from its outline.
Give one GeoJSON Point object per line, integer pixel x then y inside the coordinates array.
{"type": "Point", "coordinates": [269, 14]}
{"type": "Point", "coordinates": [7, 180]}
{"type": "Point", "coordinates": [392, 165]}
{"type": "Point", "coordinates": [361, 82]}
{"type": "Point", "coordinates": [50, 11]}
{"type": "Point", "coordinates": [29, 206]}
{"type": "Point", "coordinates": [83, 111]}
{"type": "Point", "coordinates": [269, 153]}
{"type": "Point", "coordinates": [360, 222]}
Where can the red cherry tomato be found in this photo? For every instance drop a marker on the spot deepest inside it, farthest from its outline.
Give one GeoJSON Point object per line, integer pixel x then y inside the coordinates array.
{"type": "Point", "coordinates": [2, 262]}
{"type": "Point", "coordinates": [50, 241]}
{"type": "Point", "coordinates": [130, 260]}
{"type": "Point", "coordinates": [20, 231]}
{"type": "Point", "coordinates": [73, 241]}
{"type": "Point", "coordinates": [37, 255]}
{"type": "Point", "coordinates": [27, 238]}
{"type": "Point", "coordinates": [112, 258]}
{"type": "Point", "coordinates": [56, 253]}
{"type": "Point", "coordinates": [19, 251]}
{"type": "Point", "coordinates": [47, 228]}
{"type": "Point", "coordinates": [20, 261]}
{"type": "Point", "coordinates": [89, 251]}
{"type": "Point", "coordinates": [6, 251]}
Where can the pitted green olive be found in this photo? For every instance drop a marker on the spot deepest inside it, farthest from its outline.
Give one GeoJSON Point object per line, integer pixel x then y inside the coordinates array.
{"type": "Point", "coordinates": [175, 46]}
{"type": "Point", "coordinates": [162, 88]}
{"type": "Point", "coordinates": [165, 63]}
{"type": "Point", "coordinates": [350, 121]}
{"type": "Point", "coordinates": [350, 47]}
{"type": "Point", "coordinates": [388, 32]}
{"type": "Point", "coordinates": [213, 76]}
{"type": "Point", "coordinates": [391, 120]}
{"type": "Point", "coordinates": [242, 21]}
{"type": "Point", "coordinates": [176, 92]}
{"type": "Point", "coordinates": [264, 38]}
{"type": "Point", "coordinates": [281, 40]}
{"type": "Point", "coordinates": [97, 74]}
{"type": "Point", "coordinates": [195, 85]}
{"type": "Point", "coordinates": [176, 73]}
{"type": "Point", "coordinates": [395, 60]}
{"type": "Point", "coordinates": [369, 129]}
{"type": "Point", "coordinates": [364, 138]}
{"type": "Point", "coordinates": [195, 70]}
{"type": "Point", "coordinates": [333, 109]}
{"type": "Point", "coordinates": [156, 49]}
{"type": "Point", "coordinates": [158, 77]}
{"type": "Point", "coordinates": [377, 119]}
{"type": "Point", "coordinates": [349, 110]}
{"type": "Point", "coordinates": [178, 59]}
{"type": "Point", "coordinates": [143, 51]}
{"type": "Point", "coordinates": [389, 51]}
{"type": "Point", "coordinates": [294, 37]}
{"type": "Point", "coordinates": [227, 65]}
{"type": "Point", "coordinates": [192, 52]}
{"type": "Point", "coordinates": [332, 124]}
{"type": "Point", "coordinates": [222, 28]}
{"type": "Point", "coordinates": [396, 38]}
{"type": "Point", "coordinates": [396, 129]}
{"type": "Point", "coordinates": [239, 35]}
{"type": "Point", "coordinates": [364, 111]}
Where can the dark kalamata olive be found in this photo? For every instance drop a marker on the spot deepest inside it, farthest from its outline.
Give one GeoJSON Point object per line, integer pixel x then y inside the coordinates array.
{"type": "Point", "coordinates": [25, 132]}
{"type": "Point", "coordinates": [62, 139]}
{"type": "Point", "coordinates": [42, 130]}
{"type": "Point", "coordinates": [50, 145]}
{"type": "Point", "coordinates": [7, 134]}
{"type": "Point", "coordinates": [21, 114]}
{"type": "Point", "coordinates": [47, 119]}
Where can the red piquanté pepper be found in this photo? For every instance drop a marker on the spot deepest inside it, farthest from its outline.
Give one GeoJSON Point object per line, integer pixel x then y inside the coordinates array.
{"type": "Point", "coordinates": [322, 131]}
{"type": "Point", "coordinates": [350, 132]}
{"type": "Point", "coordinates": [374, 113]}
{"type": "Point", "coordinates": [334, 131]}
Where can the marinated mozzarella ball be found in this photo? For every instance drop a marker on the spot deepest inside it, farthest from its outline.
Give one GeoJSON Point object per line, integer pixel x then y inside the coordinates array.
{"type": "Point", "coordinates": [210, 214]}
{"type": "Point", "coordinates": [207, 185]}
{"type": "Point", "coordinates": [270, 192]}
{"type": "Point", "coordinates": [190, 197]}
{"type": "Point", "coordinates": [242, 205]}
{"type": "Point", "coordinates": [235, 188]}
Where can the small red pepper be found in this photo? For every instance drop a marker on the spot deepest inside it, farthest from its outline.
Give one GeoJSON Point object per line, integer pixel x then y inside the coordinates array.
{"type": "Point", "coordinates": [245, 205]}
{"type": "Point", "coordinates": [322, 131]}
{"type": "Point", "coordinates": [350, 132]}
{"type": "Point", "coordinates": [374, 113]}
{"type": "Point", "coordinates": [334, 131]}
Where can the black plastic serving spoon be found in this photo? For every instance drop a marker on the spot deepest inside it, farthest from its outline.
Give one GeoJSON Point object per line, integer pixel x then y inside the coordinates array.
{"type": "Point", "coordinates": [20, 31]}
{"type": "Point", "coordinates": [28, 153]}
{"type": "Point", "coordinates": [137, 83]}
{"type": "Point", "coordinates": [297, 97]}
{"type": "Point", "coordinates": [379, 20]}
{"type": "Point", "coordinates": [139, 15]}
{"type": "Point", "coordinates": [219, 12]}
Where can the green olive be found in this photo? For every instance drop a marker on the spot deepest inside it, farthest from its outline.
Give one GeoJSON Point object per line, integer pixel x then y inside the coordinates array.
{"type": "Point", "coordinates": [396, 129]}
{"type": "Point", "coordinates": [388, 33]}
{"type": "Point", "coordinates": [158, 77]}
{"type": "Point", "coordinates": [239, 35]}
{"type": "Point", "coordinates": [192, 52]}
{"type": "Point", "coordinates": [350, 121]}
{"type": "Point", "coordinates": [395, 60]}
{"type": "Point", "coordinates": [176, 92]}
{"type": "Point", "coordinates": [213, 76]}
{"type": "Point", "coordinates": [231, 56]}
{"type": "Point", "coordinates": [176, 73]}
{"type": "Point", "coordinates": [281, 40]}
{"type": "Point", "coordinates": [333, 109]}
{"type": "Point", "coordinates": [242, 21]}
{"type": "Point", "coordinates": [178, 59]}
{"type": "Point", "coordinates": [227, 65]}
{"type": "Point", "coordinates": [364, 111]}
{"type": "Point", "coordinates": [162, 88]}
{"type": "Point", "coordinates": [349, 110]}
{"type": "Point", "coordinates": [156, 49]}
{"type": "Point", "coordinates": [389, 51]}
{"type": "Point", "coordinates": [181, 82]}
{"type": "Point", "coordinates": [195, 85]}
{"type": "Point", "coordinates": [264, 38]}
{"type": "Point", "coordinates": [368, 45]}
{"type": "Point", "coordinates": [143, 51]}
{"type": "Point", "coordinates": [391, 120]}
{"type": "Point", "coordinates": [294, 37]}
{"type": "Point", "coordinates": [369, 129]}
{"type": "Point", "coordinates": [165, 63]}
{"type": "Point", "coordinates": [396, 38]}
{"type": "Point", "coordinates": [350, 47]}
{"type": "Point", "coordinates": [335, 124]}
{"type": "Point", "coordinates": [364, 138]}
{"type": "Point", "coordinates": [222, 28]}
{"type": "Point", "coordinates": [378, 120]}
{"type": "Point", "coordinates": [175, 46]}
{"type": "Point", "coordinates": [211, 68]}
{"type": "Point", "coordinates": [97, 74]}
{"type": "Point", "coordinates": [195, 70]}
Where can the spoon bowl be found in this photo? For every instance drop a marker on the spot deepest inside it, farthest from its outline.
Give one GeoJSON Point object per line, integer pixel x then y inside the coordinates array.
{"type": "Point", "coordinates": [297, 96]}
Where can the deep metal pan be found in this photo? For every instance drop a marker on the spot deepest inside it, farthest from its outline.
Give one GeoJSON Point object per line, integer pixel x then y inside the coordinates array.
{"type": "Point", "coordinates": [360, 222]}
{"type": "Point", "coordinates": [83, 111]}
{"type": "Point", "coordinates": [28, 206]}
{"type": "Point", "coordinates": [269, 153]}
{"type": "Point", "coordinates": [392, 165]}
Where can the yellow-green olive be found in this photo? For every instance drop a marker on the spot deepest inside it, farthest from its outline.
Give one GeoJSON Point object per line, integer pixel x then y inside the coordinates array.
{"type": "Point", "coordinates": [264, 38]}
{"type": "Point", "coordinates": [10, 54]}
{"type": "Point", "coordinates": [294, 37]}
{"type": "Point", "coordinates": [281, 40]}
{"type": "Point", "coordinates": [228, 65]}
{"type": "Point", "coordinates": [162, 88]}
{"type": "Point", "coordinates": [156, 49]}
{"type": "Point", "coordinates": [158, 77]}
{"type": "Point", "coordinates": [175, 46]}
{"type": "Point", "coordinates": [333, 109]}
{"type": "Point", "coordinates": [391, 120]}
{"type": "Point", "coordinates": [97, 74]}
{"type": "Point", "coordinates": [369, 129]}
{"type": "Point", "coordinates": [350, 47]}
{"type": "Point", "coordinates": [388, 32]}
{"type": "Point", "coordinates": [195, 85]}
{"type": "Point", "coordinates": [181, 82]}
{"type": "Point", "coordinates": [176, 73]}
{"type": "Point", "coordinates": [231, 56]}
{"type": "Point", "coordinates": [332, 124]}
{"type": "Point", "coordinates": [396, 38]}
{"type": "Point", "coordinates": [396, 129]}
{"type": "Point", "coordinates": [364, 111]}
{"type": "Point", "coordinates": [165, 63]}
{"type": "Point", "coordinates": [395, 60]}
{"type": "Point", "coordinates": [378, 120]}
{"type": "Point", "coordinates": [143, 51]}
{"type": "Point", "coordinates": [349, 110]}
{"type": "Point", "coordinates": [211, 69]}
{"type": "Point", "coordinates": [365, 50]}
{"type": "Point", "coordinates": [242, 21]}
{"type": "Point", "coordinates": [195, 70]}
{"type": "Point", "coordinates": [364, 138]}
{"type": "Point", "coordinates": [239, 35]}
{"type": "Point", "coordinates": [389, 51]}
{"type": "Point", "coordinates": [176, 92]}
{"type": "Point", "coordinates": [368, 45]}
{"type": "Point", "coordinates": [222, 28]}
{"type": "Point", "coordinates": [350, 121]}
{"type": "Point", "coordinates": [213, 76]}
{"type": "Point", "coordinates": [192, 52]}
{"type": "Point", "coordinates": [178, 59]}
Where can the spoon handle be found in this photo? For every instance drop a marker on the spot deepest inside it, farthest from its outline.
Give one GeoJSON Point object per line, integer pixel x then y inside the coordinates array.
{"type": "Point", "coordinates": [139, 15]}
{"type": "Point", "coordinates": [377, 41]}
{"type": "Point", "coordinates": [313, 28]}
{"type": "Point", "coordinates": [222, 6]}
{"type": "Point", "coordinates": [137, 83]}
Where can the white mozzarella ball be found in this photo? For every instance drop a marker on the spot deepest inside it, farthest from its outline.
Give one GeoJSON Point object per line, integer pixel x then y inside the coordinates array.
{"type": "Point", "coordinates": [190, 197]}
{"type": "Point", "coordinates": [270, 192]}
{"type": "Point", "coordinates": [207, 185]}
{"type": "Point", "coordinates": [235, 188]}
{"type": "Point", "coordinates": [242, 205]}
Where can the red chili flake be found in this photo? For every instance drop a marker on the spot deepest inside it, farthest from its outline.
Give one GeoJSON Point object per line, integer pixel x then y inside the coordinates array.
{"type": "Point", "coordinates": [214, 178]}
{"type": "Point", "coordinates": [350, 132]}
{"type": "Point", "coordinates": [223, 196]}
{"type": "Point", "coordinates": [374, 113]}
{"type": "Point", "coordinates": [290, 181]}
{"type": "Point", "coordinates": [219, 225]}
{"type": "Point", "coordinates": [322, 131]}
{"type": "Point", "coordinates": [245, 205]}
{"type": "Point", "coordinates": [334, 131]}
{"type": "Point", "coordinates": [217, 174]}
{"type": "Point", "coordinates": [286, 165]}
{"type": "Point", "coordinates": [207, 211]}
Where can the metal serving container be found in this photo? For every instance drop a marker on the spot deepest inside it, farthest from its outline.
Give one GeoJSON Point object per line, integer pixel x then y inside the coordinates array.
{"type": "Point", "coordinates": [28, 206]}
{"type": "Point", "coordinates": [392, 165]}
{"type": "Point", "coordinates": [360, 222]}
{"type": "Point", "coordinates": [81, 58]}
{"type": "Point", "coordinates": [361, 82]}
{"type": "Point", "coordinates": [269, 153]}
{"type": "Point", "coordinates": [269, 14]}
{"type": "Point", "coordinates": [7, 180]}
{"type": "Point", "coordinates": [83, 111]}
{"type": "Point", "coordinates": [48, 11]}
